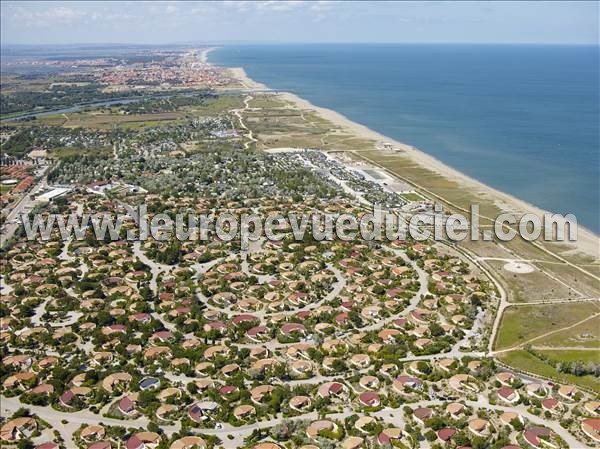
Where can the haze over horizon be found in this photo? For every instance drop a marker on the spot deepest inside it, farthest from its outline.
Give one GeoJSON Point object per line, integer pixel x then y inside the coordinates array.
{"type": "Point", "coordinates": [172, 22]}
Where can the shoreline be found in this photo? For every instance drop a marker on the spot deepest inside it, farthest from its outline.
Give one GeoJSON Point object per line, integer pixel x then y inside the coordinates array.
{"type": "Point", "coordinates": [587, 241]}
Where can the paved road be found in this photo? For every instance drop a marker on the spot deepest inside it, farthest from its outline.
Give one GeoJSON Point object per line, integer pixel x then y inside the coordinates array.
{"type": "Point", "coordinates": [24, 203]}
{"type": "Point", "coordinates": [392, 416]}
{"type": "Point", "coordinates": [73, 420]}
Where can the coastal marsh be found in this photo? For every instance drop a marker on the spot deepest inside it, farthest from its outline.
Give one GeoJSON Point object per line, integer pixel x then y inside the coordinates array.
{"type": "Point", "coordinates": [288, 127]}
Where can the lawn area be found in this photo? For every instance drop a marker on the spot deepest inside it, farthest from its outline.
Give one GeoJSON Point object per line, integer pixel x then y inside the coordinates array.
{"type": "Point", "coordinates": [290, 127]}
{"type": "Point", "coordinates": [5, 188]}
{"type": "Point", "coordinates": [47, 120]}
{"type": "Point", "coordinates": [289, 141]}
{"type": "Point", "coordinates": [530, 363]}
{"type": "Point", "coordinates": [522, 323]}
{"type": "Point", "coordinates": [463, 197]}
{"type": "Point", "coordinates": [61, 153]}
{"type": "Point", "coordinates": [571, 356]}
{"type": "Point", "coordinates": [585, 335]}
{"type": "Point", "coordinates": [411, 196]}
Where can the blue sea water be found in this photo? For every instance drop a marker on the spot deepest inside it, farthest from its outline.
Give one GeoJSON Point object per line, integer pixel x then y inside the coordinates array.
{"type": "Point", "coordinates": [524, 119]}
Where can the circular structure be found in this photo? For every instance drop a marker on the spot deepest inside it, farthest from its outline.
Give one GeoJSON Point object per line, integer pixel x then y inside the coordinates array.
{"type": "Point", "coordinates": [519, 267]}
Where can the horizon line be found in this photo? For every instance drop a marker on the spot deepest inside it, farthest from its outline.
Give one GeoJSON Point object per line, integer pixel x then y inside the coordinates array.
{"type": "Point", "coordinates": [233, 42]}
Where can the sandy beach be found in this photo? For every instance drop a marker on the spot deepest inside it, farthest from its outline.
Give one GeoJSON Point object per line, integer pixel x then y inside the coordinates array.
{"type": "Point", "coordinates": [204, 55]}
{"type": "Point", "coordinates": [587, 242]}
{"type": "Point", "coordinates": [240, 74]}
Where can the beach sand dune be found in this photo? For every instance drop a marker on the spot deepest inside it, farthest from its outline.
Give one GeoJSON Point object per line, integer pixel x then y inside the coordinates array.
{"type": "Point", "coordinates": [587, 242]}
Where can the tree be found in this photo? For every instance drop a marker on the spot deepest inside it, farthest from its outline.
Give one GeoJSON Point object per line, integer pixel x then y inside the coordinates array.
{"type": "Point", "coordinates": [25, 444]}
{"type": "Point", "coordinates": [430, 435]}
{"type": "Point", "coordinates": [22, 411]}
{"type": "Point", "coordinates": [435, 329]}
{"type": "Point", "coordinates": [517, 424]}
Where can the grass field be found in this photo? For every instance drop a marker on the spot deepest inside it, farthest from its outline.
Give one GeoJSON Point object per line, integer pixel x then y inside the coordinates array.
{"type": "Point", "coordinates": [586, 285]}
{"type": "Point", "coordinates": [412, 196]}
{"type": "Point", "coordinates": [571, 355]}
{"type": "Point", "coordinates": [522, 323]}
{"type": "Point", "coordinates": [46, 120]}
{"type": "Point", "coordinates": [448, 189]}
{"type": "Point", "coordinates": [585, 335]}
{"type": "Point", "coordinates": [525, 361]}
{"type": "Point", "coordinates": [67, 152]}
{"type": "Point", "coordinates": [535, 286]}
{"type": "Point", "coordinates": [287, 127]}
{"type": "Point", "coordinates": [103, 118]}
{"type": "Point", "coordinates": [266, 101]}
{"type": "Point", "coordinates": [219, 105]}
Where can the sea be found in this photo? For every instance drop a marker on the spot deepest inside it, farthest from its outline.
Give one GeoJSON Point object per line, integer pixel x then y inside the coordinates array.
{"type": "Point", "coordinates": [524, 119]}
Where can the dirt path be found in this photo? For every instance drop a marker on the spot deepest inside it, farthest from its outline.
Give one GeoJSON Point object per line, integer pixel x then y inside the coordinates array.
{"type": "Point", "coordinates": [521, 345]}
{"type": "Point", "coordinates": [238, 113]}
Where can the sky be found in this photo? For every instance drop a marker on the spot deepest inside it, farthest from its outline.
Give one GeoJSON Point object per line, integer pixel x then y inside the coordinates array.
{"type": "Point", "coordinates": [165, 22]}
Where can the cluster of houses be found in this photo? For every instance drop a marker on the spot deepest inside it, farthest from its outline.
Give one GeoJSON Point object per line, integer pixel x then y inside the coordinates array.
{"type": "Point", "coordinates": [15, 180]}
{"type": "Point", "coordinates": [310, 332]}
{"type": "Point", "coordinates": [368, 189]}
{"type": "Point", "coordinates": [177, 69]}
{"type": "Point", "coordinates": [357, 344]}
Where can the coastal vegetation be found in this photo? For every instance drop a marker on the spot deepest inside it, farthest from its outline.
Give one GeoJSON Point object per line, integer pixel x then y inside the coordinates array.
{"type": "Point", "coordinates": [537, 324]}
{"type": "Point", "coordinates": [529, 363]}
